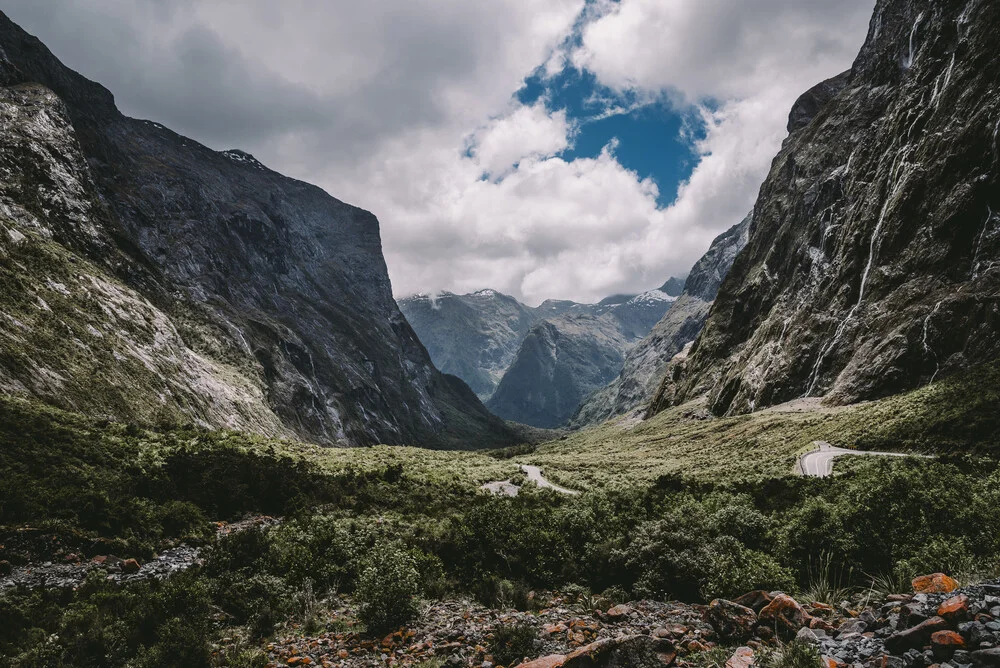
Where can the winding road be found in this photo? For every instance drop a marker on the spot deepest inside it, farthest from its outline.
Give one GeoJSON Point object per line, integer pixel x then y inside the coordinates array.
{"type": "Point", "coordinates": [534, 473]}
{"type": "Point", "coordinates": [818, 463]}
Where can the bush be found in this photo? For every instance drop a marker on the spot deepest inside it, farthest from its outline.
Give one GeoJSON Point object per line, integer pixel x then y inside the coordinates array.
{"type": "Point", "coordinates": [736, 570]}
{"type": "Point", "coordinates": [388, 589]}
{"type": "Point", "coordinates": [513, 642]}
{"type": "Point", "coordinates": [793, 655]}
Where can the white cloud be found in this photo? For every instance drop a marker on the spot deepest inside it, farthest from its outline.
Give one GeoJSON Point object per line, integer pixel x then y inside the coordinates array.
{"type": "Point", "coordinates": [527, 132]}
{"type": "Point", "coordinates": [401, 106]}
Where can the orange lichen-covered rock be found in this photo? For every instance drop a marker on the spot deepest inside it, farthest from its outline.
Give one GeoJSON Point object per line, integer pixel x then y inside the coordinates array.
{"type": "Point", "coordinates": [936, 583]}
{"type": "Point", "coordinates": [955, 609]}
{"type": "Point", "coordinates": [784, 615]}
{"type": "Point", "coordinates": [948, 638]}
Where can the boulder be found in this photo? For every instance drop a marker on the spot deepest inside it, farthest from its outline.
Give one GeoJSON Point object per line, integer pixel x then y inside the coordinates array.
{"type": "Point", "coordinates": [986, 658]}
{"type": "Point", "coordinates": [130, 566]}
{"type": "Point", "coordinates": [730, 620]}
{"type": "Point", "coordinates": [755, 600]}
{"type": "Point", "coordinates": [944, 643]}
{"type": "Point", "coordinates": [853, 626]}
{"type": "Point", "coordinates": [955, 609]}
{"type": "Point", "coordinates": [916, 637]}
{"type": "Point", "coordinates": [807, 636]}
{"type": "Point", "coordinates": [784, 615]}
{"type": "Point", "coordinates": [619, 612]}
{"type": "Point", "coordinates": [936, 583]}
{"type": "Point", "coordinates": [742, 658]}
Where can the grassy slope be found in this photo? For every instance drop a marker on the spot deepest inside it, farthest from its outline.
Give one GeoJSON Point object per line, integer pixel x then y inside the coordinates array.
{"type": "Point", "coordinates": [959, 414]}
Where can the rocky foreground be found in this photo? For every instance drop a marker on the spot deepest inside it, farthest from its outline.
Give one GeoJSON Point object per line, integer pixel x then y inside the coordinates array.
{"type": "Point", "coordinates": [939, 625]}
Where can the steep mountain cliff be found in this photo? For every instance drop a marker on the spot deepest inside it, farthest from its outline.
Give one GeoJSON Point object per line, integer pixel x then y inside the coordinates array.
{"type": "Point", "coordinates": [474, 336]}
{"type": "Point", "coordinates": [645, 364]}
{"type": "Point", "coordinates": [872, 264]}
{"type": "Point", "coordinates": [152, 278]}
{"type": "Point", "coordinates": [565, 358]}
{"type": "Point", "coordinates": [477, 336]}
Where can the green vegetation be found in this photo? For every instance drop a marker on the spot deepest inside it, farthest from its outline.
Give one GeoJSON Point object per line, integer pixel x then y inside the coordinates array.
{"type": "Point", "coordinates": [512, 642]}
{"type": "Point", "coordinates": [388, 588]}
{"type": "Point", "coordinates": [392, 525]}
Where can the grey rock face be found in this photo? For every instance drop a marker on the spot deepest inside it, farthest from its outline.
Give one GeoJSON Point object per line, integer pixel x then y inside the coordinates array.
{"type": "Point", "coordinates": [564, 359]}
{"type": "Point", "coordinates": [872, 261]}
{"type": "Point", "coordinates": [646, 363]}
{"type": "Point", "coordinates": [278, 287]}
{"type": "Point", "coordinates": [474, 336]}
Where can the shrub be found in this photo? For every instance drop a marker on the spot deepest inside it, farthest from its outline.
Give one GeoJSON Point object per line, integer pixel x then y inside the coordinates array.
{"type": "Point", "coordinates": [736, 570]}
{"type": "Point", "coordinates": [513, 642]}
{"type": "Point", "coordinates": [388, 589]}
{"type": "Point", "coordinates": [793, 655]}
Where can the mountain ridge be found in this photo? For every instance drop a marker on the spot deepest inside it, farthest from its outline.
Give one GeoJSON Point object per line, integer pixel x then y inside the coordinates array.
{"type": "Point", "coordinates": [871, 266]}
{"type": "Point", "coordinates": [281, 284]}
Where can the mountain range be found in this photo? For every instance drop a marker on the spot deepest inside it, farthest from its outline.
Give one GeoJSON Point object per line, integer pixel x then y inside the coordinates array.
{"type": "Point", "coordinates": [534, 365]}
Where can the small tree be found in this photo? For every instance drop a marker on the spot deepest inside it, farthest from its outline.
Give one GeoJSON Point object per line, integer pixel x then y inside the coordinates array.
{"type": "Point", "coordinates": [388, 588]}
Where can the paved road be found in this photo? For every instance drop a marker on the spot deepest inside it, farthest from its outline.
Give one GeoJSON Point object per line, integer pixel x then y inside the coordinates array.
{"type": "Point", "coordinates": [534, 473]}
{"type": "Point", "coordinates": [818, 463]}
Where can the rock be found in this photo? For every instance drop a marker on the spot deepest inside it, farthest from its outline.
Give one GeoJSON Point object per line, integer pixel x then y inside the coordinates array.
{"type": "Point", "coordinates": [299, 661]}
{"type": "Point", "coordinates": [915, 637]}
{"type": "Point", "coordinates": [986, 658]}
{"type": "Point", "coordinates": [741, 658]}
{"type": "Point", "coordinates": [5, 567]}
{"type": "Point", "coordinates": [619, 612]}
{"type": "Point", "coordinates": [819, 624]}
{"type": "Point", "coordinates": [730, 620]}
{"type": "Point", "coordinates": [807, 635]}
{"type": "Point", "coordinates": [130, 566]}
{"type": "Point", "coordinates": [892, 662]}
{"type": "Point", "coordinates": [784, 615]}
{"type": "Point", "coordinates": [755, 600]}
{"type": "Point", "coordinates": [945, 643]}
{"type": "Point", "coordinates": [551, 661]}
{"type": "Point", "coordinates": [853, 626]}
{"type": "Point", "coordinates": [936, 583]}
{"type": "Point", "coordinates": [955, 609]}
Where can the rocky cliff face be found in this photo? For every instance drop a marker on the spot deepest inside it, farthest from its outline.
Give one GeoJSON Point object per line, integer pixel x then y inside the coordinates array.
{"type": "Point", "coordinates": [646, 363]}
{"type": "Point", "coordinates": [161, 278]}
{"type": "Point", "coordinates": [563, 359]}
{"type": "Point", "coordinates": [474, 336]}
{"type": "Point", "coordinates": [872, 264]}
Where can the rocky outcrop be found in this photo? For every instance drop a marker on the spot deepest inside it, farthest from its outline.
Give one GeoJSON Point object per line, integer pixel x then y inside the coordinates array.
{"type": "Point", "coordinates": [871, 266]}
{"type": "Point", "coordinates": [646, 363]}
{"type": "Point", "coordinates": [158, 279]}
{"type": "Point", "coordinates": [564, 359]}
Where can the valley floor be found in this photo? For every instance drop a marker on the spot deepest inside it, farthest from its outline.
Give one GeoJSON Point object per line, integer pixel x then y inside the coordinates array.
{"type": "Point", "coordinates": [682, 507]}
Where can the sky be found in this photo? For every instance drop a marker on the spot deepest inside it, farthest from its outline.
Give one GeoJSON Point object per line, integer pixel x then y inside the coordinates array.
{"type": "Point", "coordinates": [568, 149]}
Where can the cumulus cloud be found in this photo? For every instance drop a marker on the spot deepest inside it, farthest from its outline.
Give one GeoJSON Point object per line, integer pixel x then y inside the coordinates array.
{"type": "Point", "coordinates": [405, 107]}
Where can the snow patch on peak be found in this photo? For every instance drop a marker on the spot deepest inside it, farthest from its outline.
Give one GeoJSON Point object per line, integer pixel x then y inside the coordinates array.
{"type": "Point", "coordinates": [651, 297]}
{"type": "Point", "coordinates": [243, 157]}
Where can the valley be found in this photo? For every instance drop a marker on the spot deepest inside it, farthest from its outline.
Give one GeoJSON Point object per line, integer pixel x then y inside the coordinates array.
{"type": "Point", "coordinates": [225, 443]}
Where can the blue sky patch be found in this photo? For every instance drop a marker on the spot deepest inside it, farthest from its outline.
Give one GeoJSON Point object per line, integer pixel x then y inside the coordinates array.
{"type": "Point", "coordinates": [654, 138]}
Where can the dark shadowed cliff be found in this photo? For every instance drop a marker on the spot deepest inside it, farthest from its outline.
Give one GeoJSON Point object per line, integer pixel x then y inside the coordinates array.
{"type": "Point", "coordinates": [160, 280]}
